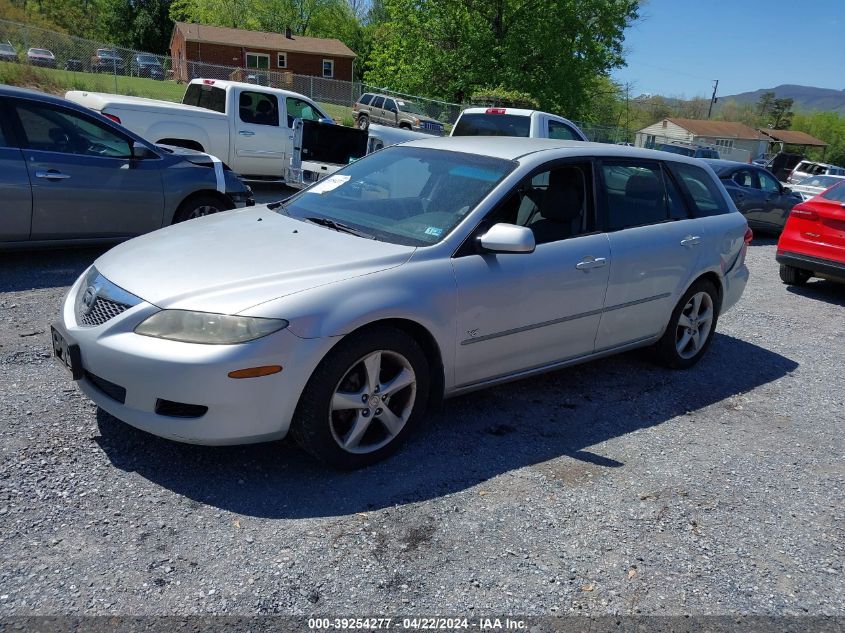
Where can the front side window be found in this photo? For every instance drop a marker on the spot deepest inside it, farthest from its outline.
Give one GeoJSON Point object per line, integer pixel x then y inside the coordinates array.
{"type": "Point", "coordinates": [390, 105]}
{"type": "Point", "coordinates": [259, 108]}
{"type": "Point", "coordinates": [404, 195]}
{"type": "Point", "coordinates": [299, 109]}
{"type": "Point", "coordinates": [767, 183]}
{"type": "Point", "coordinates": [635, 194]}
{"type": "Point", "coordinates": [328, 68]}
{"type": "Point", "coordinates": [50, 129]}
{"type": "Point", "coordinates": [703, 194]}
{"type": "Point", "coordinates": [562, 131]}
{"type": "Point", "coordinates": [258, 60]}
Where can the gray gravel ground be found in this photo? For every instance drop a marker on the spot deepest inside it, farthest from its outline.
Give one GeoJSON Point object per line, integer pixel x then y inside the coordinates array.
{"type": "Point", "coordinates": [612, 488]}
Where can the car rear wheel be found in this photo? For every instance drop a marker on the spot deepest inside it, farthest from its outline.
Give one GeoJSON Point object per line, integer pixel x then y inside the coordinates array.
{"type": "Point", "coordinates": [691, 327]}
{"type": "Point", "coordinates": [363, 122]}
{"type": "Point", "coordinates": [200, 206]}
{"type": "Point", "coordinates": [794, 276]}
{"type": "Point", "coordinates": [364, 399]}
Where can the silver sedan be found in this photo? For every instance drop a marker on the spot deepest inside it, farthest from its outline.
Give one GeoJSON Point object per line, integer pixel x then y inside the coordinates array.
{"type": "Point", "coordinates": [422, 271]}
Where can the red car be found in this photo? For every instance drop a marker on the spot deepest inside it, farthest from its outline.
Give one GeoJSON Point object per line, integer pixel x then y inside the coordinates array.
{"type": "Point", "coordinates": [813, 241]}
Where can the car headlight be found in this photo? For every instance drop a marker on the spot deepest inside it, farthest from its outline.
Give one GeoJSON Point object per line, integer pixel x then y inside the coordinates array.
{"type": "Point", "coordinates": [207, 328]}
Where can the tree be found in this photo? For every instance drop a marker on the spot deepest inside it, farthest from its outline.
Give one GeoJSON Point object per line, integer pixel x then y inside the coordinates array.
{"type": "Point", "coordinates": [781, 115]}
{"type": "Point", "coordinates": [553, 50]}
{"type": "Point", "coordinates": [764, 105]}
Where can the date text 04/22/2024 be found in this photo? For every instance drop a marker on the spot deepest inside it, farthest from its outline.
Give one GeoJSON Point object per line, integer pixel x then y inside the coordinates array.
{"type": "Point", "coordinates": [416, 624]}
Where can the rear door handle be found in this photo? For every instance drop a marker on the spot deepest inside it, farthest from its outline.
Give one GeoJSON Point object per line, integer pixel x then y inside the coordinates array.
{"type": "Point", "coordinates": [691, 240]}
{"type": "Point", "coordinates": [246, 133]}
{"type": "Point", "coordinates": [51, 174]}
{"type": "Point", "coordinates": [589, 263]}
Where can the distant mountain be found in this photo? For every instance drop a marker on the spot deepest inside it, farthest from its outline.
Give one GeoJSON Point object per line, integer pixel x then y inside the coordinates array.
{"type": "Point", "coordinates": [806, 98]}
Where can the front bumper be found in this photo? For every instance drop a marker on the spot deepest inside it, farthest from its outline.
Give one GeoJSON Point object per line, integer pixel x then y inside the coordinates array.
{"type": "Point", "coordinates": [131, 376]}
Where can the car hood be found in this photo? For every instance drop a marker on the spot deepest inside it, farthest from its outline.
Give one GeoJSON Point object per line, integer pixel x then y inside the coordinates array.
{"type": "Point", "coordinates": [231, 261]}
{"type": "Point", "coordinates": [190, 155]}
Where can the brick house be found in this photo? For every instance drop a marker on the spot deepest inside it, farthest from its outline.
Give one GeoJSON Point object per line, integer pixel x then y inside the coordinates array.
{"type": "Point", "coordinates": [198, 50]}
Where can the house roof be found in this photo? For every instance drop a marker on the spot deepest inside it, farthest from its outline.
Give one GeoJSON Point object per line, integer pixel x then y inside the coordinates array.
{"type": "Point", "coordinates": [793, 137]}
{"type": "Point", "coordinates": [717, 129]}
{"type": "Point", "coordinates": [256, 39]}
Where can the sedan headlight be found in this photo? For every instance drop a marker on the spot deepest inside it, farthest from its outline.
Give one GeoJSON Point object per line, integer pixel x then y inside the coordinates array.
{"type": "Point", "coordinates": [208, 328]}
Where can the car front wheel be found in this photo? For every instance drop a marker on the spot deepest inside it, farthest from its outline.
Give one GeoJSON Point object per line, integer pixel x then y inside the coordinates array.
{"type": "Point", "coordinates": [363, 122]}
{"type": "Point", "coordinates": [364, 399]}
{"type": "Point", "coordinates": [198, 207]}
{"type": "Point", "coordinates": [691, 327]}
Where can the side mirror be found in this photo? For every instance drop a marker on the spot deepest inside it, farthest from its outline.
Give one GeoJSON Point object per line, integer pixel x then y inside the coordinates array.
{"type": "Point", "coordinates": [327, 121]}
{"type": "Point", "coordinates": [142, 152]}
{"type": "Point", "coordinates": [508, 238]}
{"type": "Point", "coordinates": [786, 190]}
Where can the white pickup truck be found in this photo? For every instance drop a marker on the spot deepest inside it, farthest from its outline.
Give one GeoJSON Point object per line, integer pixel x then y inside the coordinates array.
{"type": "Point", "coordinates": [515, 122]}
{"type": "Point", "coordinates": [249, 127]}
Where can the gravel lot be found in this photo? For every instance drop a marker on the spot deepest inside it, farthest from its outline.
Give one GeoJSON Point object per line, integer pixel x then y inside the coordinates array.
{"type": "Point", "coordinates": [611, 488]}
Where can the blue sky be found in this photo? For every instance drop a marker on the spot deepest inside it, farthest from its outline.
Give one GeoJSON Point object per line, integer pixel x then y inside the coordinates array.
{"type": "Point", "coordinates": [678, 47]}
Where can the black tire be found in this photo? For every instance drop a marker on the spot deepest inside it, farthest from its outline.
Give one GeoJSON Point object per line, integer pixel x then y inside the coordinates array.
{"type": "Point", "coordinates": [666, 349]}
{"type": "Point", "coordinates": [363, 122]}
{"type": "Point", "coordinates": [794, 276]}
{"type": "Point", "coordinates": [198, 206]}
{"type": "Point", "coordinates": [317, 429]}
{"type": "Point", "coordinates": [405, 126]}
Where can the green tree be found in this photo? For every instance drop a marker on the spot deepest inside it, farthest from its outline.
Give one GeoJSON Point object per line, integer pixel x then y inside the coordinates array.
{"type": "Point", "coordinates": [781, 114]}
{"type": "Point", "coordinates": [553, 50]}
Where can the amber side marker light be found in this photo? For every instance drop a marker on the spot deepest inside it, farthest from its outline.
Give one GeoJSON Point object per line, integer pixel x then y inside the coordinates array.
{"type": "Point", "coordinates": [255, 372]}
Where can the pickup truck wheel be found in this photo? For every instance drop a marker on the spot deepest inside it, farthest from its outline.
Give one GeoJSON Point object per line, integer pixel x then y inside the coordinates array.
{"type": "Point", "coordinates": [363, 122]}
{"type": "Point", "coordinates": [199, 206]}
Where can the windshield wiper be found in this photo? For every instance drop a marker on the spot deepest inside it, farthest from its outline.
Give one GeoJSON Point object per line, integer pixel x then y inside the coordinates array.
{"type": "Point", "coordinates": [338, 226]}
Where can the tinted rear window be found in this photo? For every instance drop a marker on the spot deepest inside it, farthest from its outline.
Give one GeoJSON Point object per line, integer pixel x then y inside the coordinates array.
{"type": "Point", "coordinates": [204, 96]}
{"type": "Point", "coordinates": [482, 124]}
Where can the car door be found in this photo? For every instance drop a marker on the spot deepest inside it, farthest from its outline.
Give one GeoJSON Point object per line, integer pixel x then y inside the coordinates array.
{"type": "Point", "coordinates": [391, 112]}
{"type": "Point", "coordinates": [744, 189]}
{"type": "Point", "coordinates": [654, 245]}
{"type": "Point", "coordinates": [262, 140]}
{"type": "Point", "coordinates": [778, 202]}
{"type": "Point", "coordinates": [376, 110]}
{"type": "Point", "coordinates": [85, 183]}
{"type": "Point", "coordinates": [15, 190]}
{"type": "Point", "coordinates": [520, 311]}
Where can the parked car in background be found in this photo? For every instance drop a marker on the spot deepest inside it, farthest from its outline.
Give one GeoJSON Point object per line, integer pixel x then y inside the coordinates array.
{"type": "Point", "coordinates": [8, 53]}
{"type": "Point", "coordinates": [145, 65]}
{"type": "Point", "coordinates": [249, 127]}
{"type": "Point", "coordinates": [108, 60]}
{"type": "Point", "coordinates": [74, 65]}
{"type": "Point", "coordinates": [763, 201]}
{"type": "Point", "coordinates": [782, 164]}
{"type": "Point", "coordinates": [813, 242]}
{"type": "Point", "coordinates": [688, 149]}
{"type": "Point", "coordinates": [807, 168]}
{"type": "Point", "coordinates": [41, 57]}
{"type": "Point", "coordinates": [814, 185]}
{"type": "Point", "coordinates": [395, 112]}
{"type": "Point", "coordinates": [515, 122]}
{"type": "Point", "coordinates": [426, 269]}
{"type": "Point", "coordinates": [69, 175]}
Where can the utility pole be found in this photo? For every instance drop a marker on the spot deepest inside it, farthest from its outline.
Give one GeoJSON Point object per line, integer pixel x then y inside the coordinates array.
{"type": "Point", "coordinates": [713, 98]}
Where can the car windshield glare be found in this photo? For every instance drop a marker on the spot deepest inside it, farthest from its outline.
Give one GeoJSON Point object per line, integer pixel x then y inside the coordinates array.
{"type": "Point", "coordinates": [405, 195]}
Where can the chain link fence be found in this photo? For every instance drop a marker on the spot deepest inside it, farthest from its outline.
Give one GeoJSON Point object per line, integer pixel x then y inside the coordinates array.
{"type": "Point", "coordinates": [74, 63]}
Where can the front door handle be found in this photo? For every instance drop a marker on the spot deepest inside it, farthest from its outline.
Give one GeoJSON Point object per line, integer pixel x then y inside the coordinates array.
{"type": "Point", "coordinates": [691, 240]}
{"type": "Point", "coordinates": [246, 133]}
{"type": "Point", "coordinates": [588, 263]}
{"type": "Point", "coordinates": [51, 174]}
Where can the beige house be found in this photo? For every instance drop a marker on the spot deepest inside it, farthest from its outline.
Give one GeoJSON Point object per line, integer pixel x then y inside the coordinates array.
{"type": "Point", "coordinates": [735, 141]}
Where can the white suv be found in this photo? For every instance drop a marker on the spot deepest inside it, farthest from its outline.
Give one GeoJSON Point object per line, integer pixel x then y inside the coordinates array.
{"type": "Point", "coordinates": [807, 168]}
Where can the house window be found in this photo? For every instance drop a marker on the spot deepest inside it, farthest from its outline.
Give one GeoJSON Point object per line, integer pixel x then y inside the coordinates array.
{"type": "Point", "coordinates": [724, 143]}
{"type": "Point", "coordinates": [283, 60]}
{"type": "Point", "coordinates": [258, 60]}
{"type": "Point", "coordinates": [328, 68]}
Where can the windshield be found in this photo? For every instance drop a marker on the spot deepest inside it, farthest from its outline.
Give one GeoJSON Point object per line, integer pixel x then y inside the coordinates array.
{"type": "Point", "coordinates": [41, 51]}
{"type": "Point", "coordinates": [405, 195]}
{"type": "Point", "coordinates": [406, 106]}
{"type": "Point", "coordinates": [7, 48]}
{"type": "Point", "coordinates": [819, 181]}
{"type": "Point", "coordinates": [147, 59]}
{"type": "Point", "coordinates": [106, 53]}
{"type": "Point", "coordinates": [482, 124]}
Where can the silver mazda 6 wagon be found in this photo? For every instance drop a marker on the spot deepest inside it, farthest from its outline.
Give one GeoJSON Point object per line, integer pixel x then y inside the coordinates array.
{"type": "Point", "coordinates": [422, 271]}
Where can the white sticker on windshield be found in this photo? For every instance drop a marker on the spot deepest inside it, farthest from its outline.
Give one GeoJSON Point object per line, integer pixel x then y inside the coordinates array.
{"type": "Point", "coordinates": [435, 231]}
{"type": "Point", "coordinates": [401, 103]}
{"type": "Point", "coordinates": [327, 184]}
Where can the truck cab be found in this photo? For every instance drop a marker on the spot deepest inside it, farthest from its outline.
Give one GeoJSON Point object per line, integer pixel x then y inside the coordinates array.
{"type": "Point", "coordinates": [515, 122]}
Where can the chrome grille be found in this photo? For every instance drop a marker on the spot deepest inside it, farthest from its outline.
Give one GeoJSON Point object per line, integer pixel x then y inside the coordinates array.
{"type": "Point", "coordinates": [102, 311]}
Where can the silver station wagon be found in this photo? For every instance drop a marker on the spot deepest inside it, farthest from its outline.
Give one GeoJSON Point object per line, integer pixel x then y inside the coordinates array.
{"type": "Point", "coordinates": [419, 272]}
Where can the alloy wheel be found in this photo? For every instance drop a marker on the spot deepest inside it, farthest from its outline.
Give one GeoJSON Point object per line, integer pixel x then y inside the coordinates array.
{"type": "Point", "coordinates": [694, 325]}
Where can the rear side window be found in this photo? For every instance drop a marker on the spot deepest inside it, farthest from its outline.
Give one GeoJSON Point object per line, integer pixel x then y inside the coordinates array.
{"type": "Point", "coordinates": [205, 96]}
{"type": "Point", "coordinates": [635, 194]}
{"type": "Point", "coordinates": [365, 99]}
{"type": "Point", "coordinates": [378, 102]}
{"type": "Point", "coordinates": [562, 131]}
{"type": "Point", "coordinates": [483, 124]}
{"type": "Point", "coordinates": [837, 193]}
{"type": "Point", "coordinates": [703, 195]}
